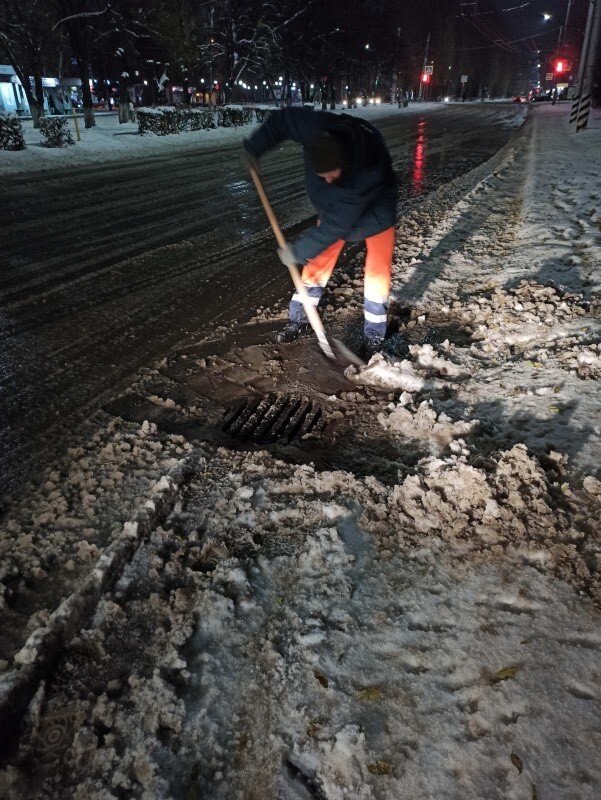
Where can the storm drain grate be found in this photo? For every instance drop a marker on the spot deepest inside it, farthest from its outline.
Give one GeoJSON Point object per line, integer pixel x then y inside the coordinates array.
{"type": "Point", "coordinates": [275, 418]}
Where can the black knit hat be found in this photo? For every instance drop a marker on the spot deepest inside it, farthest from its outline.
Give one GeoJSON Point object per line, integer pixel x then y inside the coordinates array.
{"type": "Point", "coordinates": [325, 153]}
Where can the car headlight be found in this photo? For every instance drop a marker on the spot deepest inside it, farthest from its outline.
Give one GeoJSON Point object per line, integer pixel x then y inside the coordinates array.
{"type": "Point", "coordinates": [359, 99]}
{"type": "Point", "coordinates": [378, 100]}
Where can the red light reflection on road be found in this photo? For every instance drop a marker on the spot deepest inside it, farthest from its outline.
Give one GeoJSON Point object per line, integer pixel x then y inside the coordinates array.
{"type": "Point", "coordinates": [418, 177]}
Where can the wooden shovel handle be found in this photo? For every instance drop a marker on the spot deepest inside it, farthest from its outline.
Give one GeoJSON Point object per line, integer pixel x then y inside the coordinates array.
{"type": "Point", "coordinates": [275, 225]}
{"type": "Point", "coordinates": [301, 289]}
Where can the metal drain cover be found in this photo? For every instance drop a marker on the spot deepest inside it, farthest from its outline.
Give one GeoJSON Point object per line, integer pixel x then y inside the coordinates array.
{"type": "Point", "coordinates": [275, 418]}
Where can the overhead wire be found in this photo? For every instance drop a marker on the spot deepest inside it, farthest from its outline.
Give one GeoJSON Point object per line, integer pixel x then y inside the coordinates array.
{"type": "Point", "coordinates": [501, 10]}
{"type": "Point", "coordinates": [493, 36]}
{"type": "Point", "coordinates": [493, 11]}
{"type": "Point", "coordinates": [497, 39]}
{"type": "Point", "coordinates": [512, 41]}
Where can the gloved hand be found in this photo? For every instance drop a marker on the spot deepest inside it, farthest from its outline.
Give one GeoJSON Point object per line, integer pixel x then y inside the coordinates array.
{"type": "Point", "coordinates": [250, 161]}
{"type": "Point", "coordinates": [287, 257]}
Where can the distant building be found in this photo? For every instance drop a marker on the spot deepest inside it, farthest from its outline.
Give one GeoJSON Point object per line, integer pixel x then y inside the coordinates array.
{"type": "Point", "coordinates": [59, 95]}
{"type": "Point", "coordinates": [12, 95]}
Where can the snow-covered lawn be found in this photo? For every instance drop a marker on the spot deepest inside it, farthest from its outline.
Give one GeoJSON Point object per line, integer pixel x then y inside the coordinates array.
{"type": "Point", "coordinates": [109, 140]}
{"type": "Point", "coordinates": [294, 632]}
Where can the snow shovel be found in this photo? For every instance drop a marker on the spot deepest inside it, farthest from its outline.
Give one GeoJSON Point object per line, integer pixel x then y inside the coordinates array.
{"type": "Point", "coordinates": [332, 348]}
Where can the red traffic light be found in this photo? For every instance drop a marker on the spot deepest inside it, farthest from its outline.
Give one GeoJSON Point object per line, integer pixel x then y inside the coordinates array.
{"type": "Point", "coordinates": [561, 66]}
{"type": "Point", "coordinates": [425, 78]}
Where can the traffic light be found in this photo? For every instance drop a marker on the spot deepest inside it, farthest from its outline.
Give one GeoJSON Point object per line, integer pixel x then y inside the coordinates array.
{"type": "Point", "coordinates": [562, 66]}
{"type": "Point", "coordinates": [425, 78]}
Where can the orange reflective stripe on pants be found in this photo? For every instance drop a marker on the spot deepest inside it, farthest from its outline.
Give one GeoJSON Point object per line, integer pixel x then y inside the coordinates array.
{"type": "Point", "coordinates": [378, 265]}
{"type": "Point", "coordinates": [317, 270]}
{"type": "Point", "coordinates": [378, 268]}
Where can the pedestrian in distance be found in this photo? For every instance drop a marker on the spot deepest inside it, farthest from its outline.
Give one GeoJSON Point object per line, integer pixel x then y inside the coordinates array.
{"type": "Point", "coordinates": [351, 184]}
{"type": "Point", "coordinates": [131, 101]}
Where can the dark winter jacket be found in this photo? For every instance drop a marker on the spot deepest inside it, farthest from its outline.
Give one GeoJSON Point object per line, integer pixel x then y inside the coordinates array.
{"type": "Point", "coordinates": [363, 202]}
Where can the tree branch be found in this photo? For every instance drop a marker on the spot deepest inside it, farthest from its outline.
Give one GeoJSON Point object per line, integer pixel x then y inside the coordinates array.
{"type": "Point", "coordinates": [82, 14]}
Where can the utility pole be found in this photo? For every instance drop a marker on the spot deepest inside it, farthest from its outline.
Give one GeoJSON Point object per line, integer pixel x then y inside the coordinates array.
{"type": "Point", "coordinates": [421, 77]}
{"type": "Point", "coordinates": [563, 29]}
{"type": "Point", "coordinates": [581, 106]}
{"type": "Point", "coordinates": [565, 24]}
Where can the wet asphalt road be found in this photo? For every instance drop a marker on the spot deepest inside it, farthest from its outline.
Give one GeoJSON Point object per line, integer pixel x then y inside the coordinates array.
{"type": "Point", "coordinates": [104, 268]}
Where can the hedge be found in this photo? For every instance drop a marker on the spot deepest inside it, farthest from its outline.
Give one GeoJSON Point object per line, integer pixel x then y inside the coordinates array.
{"type": "Point", "coordinates": [233, 116]}
{"type": "Point", "coordinates": [201, 119]}
{"type": "Point", "coordinates": [55, 132]}
{"type": "Point", "coordinates": [11, 133]}
{"type": "Point", "coordinates": [263, 113]}
{"type": "Point", "coordinates": [163, 120]}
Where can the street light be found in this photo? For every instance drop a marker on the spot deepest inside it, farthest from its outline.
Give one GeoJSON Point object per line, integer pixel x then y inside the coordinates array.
{"type": "Point", "coordinates": [367, 46]}
{"type": "Point", "coordinates": [546, 17]}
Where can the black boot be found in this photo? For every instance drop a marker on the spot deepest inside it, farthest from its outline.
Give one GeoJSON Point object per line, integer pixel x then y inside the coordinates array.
{"type": "Point", "coordinates": [291, 332]}
{"type": "Point", "coordinates": [372, 344]}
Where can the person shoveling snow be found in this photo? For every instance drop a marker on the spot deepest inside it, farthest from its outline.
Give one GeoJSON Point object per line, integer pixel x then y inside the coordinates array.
{"type": "Point", "coordinates": [351, 183]}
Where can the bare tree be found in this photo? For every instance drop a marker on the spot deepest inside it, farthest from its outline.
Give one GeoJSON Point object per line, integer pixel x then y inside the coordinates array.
{"type": "Point", "coordinates": [25, 38]}
{"type": "Point", "coordinates": [226, 38]}
{"type": "Point", "coordinates": [236, 35]}
{"type": "Point", "coordinates": [81, 20]}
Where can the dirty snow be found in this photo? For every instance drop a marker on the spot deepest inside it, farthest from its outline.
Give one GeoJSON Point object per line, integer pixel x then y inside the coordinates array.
{"type": "Point", "coordinates": [314, 634]}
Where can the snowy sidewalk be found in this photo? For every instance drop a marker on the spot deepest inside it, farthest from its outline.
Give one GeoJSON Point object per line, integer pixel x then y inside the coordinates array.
{"type": "Point", "coordinates": [423, 627]}
{"type": "Point", "coordinates": [559, 234]}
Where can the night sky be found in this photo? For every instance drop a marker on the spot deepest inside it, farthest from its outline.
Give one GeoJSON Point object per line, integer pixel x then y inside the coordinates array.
{"type": "Point", "coordinates": [529, 20]}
